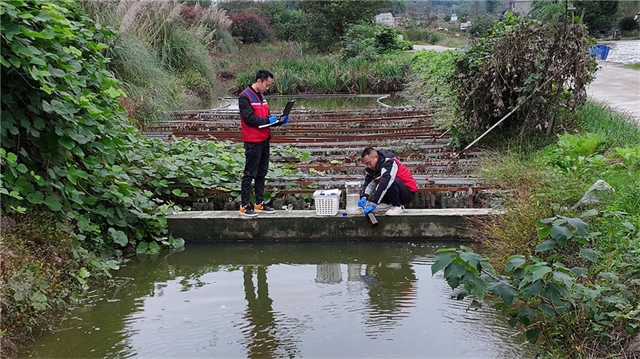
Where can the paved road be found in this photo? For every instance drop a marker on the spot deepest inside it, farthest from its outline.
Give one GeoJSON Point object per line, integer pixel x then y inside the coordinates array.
{"type": "Point", "coordinates": [431, 47]}
{"type": "Point", "coordinates": [617, 87]}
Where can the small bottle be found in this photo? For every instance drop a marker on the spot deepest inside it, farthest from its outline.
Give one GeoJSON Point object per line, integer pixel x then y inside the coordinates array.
{"type": "Point", "coordinates": [372, 220]}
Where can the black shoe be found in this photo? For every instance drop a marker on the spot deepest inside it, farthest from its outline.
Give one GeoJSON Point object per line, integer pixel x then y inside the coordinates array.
{"type": "Point", "coordinates": [247, 211]}
{"type": "Point", "coordinates": [262, 207]}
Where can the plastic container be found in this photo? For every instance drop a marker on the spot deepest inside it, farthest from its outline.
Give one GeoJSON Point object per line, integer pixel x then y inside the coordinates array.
{"type": "Point", "coordinates": [600, 51]}
{"type": "Point", "coordinates": [353, 196]}
{"type": "Point", "coordinates": [327, 202]}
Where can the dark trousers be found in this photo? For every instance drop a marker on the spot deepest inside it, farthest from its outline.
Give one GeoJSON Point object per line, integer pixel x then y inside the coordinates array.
{"type": "Point", "coordinates": [256, 166]}
{"type": "Point", "coordinates": [398, 194]}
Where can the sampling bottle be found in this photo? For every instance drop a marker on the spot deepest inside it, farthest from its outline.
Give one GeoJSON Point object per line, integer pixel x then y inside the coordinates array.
{"type": "Point", "coordinates": [372, 220]}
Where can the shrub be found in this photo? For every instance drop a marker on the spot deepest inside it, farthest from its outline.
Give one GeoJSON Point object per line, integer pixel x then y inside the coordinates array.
{"type": "Point", "coordinates": [627, 23]}
{"type": "Point", "coordinates": [287, 21]}
{"type": "Point", "coordinates": [482, 26]}
{"type": "Point", "coordinates": [535, 67]}
{"type": "Point", "coordinates": [369, 41]}
{"type": "Point", "coordinates": [249, 27]}
{"type": "Point", "coordinates": [327, 21]}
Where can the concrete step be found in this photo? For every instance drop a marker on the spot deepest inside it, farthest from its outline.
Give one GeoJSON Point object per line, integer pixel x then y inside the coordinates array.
{"type": "Point", "coordinates": [305, 225]}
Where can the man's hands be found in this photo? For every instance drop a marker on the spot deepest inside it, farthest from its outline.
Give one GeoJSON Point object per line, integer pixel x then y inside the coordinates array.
{"type": "Point", "coordinates": [362, 202]}
{"type": "Point", "coordinates": [273, 119]}
{"type": "Point", "coordinates": [370, 208]}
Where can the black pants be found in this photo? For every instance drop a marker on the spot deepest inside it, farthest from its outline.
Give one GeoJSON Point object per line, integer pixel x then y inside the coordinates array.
{"type": "Point", "coordinates": [398, 194]}
{"type": "Point", "coordinates": [256, 166]}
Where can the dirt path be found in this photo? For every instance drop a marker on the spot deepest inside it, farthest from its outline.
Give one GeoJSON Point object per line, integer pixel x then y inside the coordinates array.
{"type": "Point", "coordinates": [617, 87]}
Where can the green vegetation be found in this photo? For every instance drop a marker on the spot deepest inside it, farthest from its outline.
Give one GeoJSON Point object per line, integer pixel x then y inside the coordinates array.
{"type": "Point", "coordinates": [327, 21]}
{"type": "Point", "coordinates": [331, 74]}
{"type": "Point", "coordinates": [68, 150]}
{"type": "Point", "coordinates": [161, 53]}
{"type": "Point", "coordinates": [633, 66]}
{"type": "Point", "coordinates": [566, 270]}
{"type": "Point", "coordinates": [522, 67]}
{"type": "Point", "coordinates": [570, 278]}
{"type": "Point", "coordinates": [370, 41]}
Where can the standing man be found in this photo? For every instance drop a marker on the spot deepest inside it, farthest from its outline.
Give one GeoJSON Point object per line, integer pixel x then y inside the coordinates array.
{"type": "Point", "coordinates": [386, 181]}
{"type": "Point", "coordinates": [254, 112]}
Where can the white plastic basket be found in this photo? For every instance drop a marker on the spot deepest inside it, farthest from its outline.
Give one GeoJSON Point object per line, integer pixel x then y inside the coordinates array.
{"type": "Point", "coordinates": [327, 202]}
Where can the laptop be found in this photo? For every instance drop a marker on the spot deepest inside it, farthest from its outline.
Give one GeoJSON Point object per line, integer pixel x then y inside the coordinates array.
{"type": "Point", "coordinates": [285, 112]}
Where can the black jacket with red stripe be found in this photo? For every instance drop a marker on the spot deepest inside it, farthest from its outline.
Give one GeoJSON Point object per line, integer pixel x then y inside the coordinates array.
{"type": "Point", "coordinates": [388, 168]}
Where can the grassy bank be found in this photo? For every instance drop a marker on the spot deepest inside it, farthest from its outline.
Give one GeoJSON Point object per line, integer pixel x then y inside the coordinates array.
{"type": "Point", "coordinates": [634, 66]}
{"type": "Point", "coordinates": [566, 271]}
{"type": "Point", "coordinates": [43, 268]}
{"type": "Point", "coordinates": [548, 181]}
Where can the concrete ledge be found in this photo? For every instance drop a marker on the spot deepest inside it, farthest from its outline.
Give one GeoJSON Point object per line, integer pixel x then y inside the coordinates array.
{"type": "Point", "coordinates": [414, 224]}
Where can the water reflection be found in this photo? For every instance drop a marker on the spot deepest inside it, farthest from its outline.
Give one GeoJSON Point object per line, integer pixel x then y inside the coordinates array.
{"type": "Point", "coordinates": [281, 300]}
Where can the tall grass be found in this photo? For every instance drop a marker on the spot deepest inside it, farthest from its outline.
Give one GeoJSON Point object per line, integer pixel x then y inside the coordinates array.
{"type": "Point", "coordinates": [152, 90]}
{"type": "Point", "coordinates": [604, 121]}
{"type": "Point", "coordinates": [330, 74]}
{"type": "Point", "coordinates": [162, 53]}
{"type": "Point", "coordinates": [181, 51]}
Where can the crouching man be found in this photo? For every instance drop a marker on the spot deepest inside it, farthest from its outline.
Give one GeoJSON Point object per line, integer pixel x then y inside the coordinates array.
{"type": "Point", "coordinates": [387, 181]}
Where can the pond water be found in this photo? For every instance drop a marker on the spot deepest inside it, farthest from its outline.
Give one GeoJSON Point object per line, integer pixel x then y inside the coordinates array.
{"type": "Point", "coordinates": [323, 102]}
{"type": "Point", "coordinates": [282, 300]}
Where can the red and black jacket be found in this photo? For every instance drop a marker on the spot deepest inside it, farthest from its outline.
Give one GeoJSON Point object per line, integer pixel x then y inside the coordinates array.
{"type": "Point", "coordinates": [254, 112]}
{"type": "Point", "coordinates": [388, 168]}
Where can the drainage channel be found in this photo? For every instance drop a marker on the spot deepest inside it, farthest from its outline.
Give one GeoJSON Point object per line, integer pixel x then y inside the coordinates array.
{"type": "Point", "coordinates": [335, 138]}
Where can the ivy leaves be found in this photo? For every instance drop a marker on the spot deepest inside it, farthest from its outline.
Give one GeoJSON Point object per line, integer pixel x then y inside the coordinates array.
{"type": "Point", "coordinates": [66, 143]}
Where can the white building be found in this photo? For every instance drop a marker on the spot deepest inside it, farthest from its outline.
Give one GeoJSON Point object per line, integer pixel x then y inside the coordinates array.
{"type": "Point", "coordinates": [454, 17]}
{"type": "Point", "coordinates": [386, 18]}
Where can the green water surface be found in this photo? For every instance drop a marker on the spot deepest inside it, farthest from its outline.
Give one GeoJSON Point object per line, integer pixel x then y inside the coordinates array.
{"type": "Point", "coordinates": [273, 300]}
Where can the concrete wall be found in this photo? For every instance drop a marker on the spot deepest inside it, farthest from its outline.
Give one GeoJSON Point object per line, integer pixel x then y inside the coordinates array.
{"type": "Point", "coordinates": [227, 226]}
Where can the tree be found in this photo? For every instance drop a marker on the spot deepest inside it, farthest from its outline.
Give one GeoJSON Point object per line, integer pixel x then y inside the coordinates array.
{"type": "Point", "coordinates": [249, 27]}
{"type": "Point", "coordinates": [328, 20]}
{"type": "Point", "coordinates": [598, 15]}
{"type": "Point", "coordinates": [627, 23]}
{"type": "Point", "coordinates": [493, 6]}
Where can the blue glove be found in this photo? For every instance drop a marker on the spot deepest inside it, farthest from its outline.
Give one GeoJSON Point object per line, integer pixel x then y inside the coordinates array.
{"type": "Point", "coordinates": [362, 202]}
{"type": "Point", "coordinates": [273, 119]}
{"type": "Point", "coordinates": [285, 120]}
{"type": "Point", "coordinates": [369, 208]}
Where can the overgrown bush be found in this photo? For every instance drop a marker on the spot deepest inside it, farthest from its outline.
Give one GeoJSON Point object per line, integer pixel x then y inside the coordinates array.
{"type": "Point", "coordinates": [327, 21]}
{"type": "Point", "coordinates": [286, 19]}
{"type": "Point", "coordinates": [369, 41]}
{"type": "Point", "coordinates": [591, 310]}
{"type": "Point", "coordinates": [628, 24]}
{"type": "Point", "coordinates": [429, 36]}
{"type": "Point", "coordinates": [249, 27]}
{"type": "Point", "coordinates": [525, 66]}
{"type": "Point", "coordinates": [572, 277]}
{"type": "Point", "coordinates": [482, 26]}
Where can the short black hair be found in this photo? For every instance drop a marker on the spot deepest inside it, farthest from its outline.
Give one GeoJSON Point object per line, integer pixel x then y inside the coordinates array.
{"type": "Point", "coordinates": [263, 75]}
{"type": "Point", "coordinates": [367, 151]}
